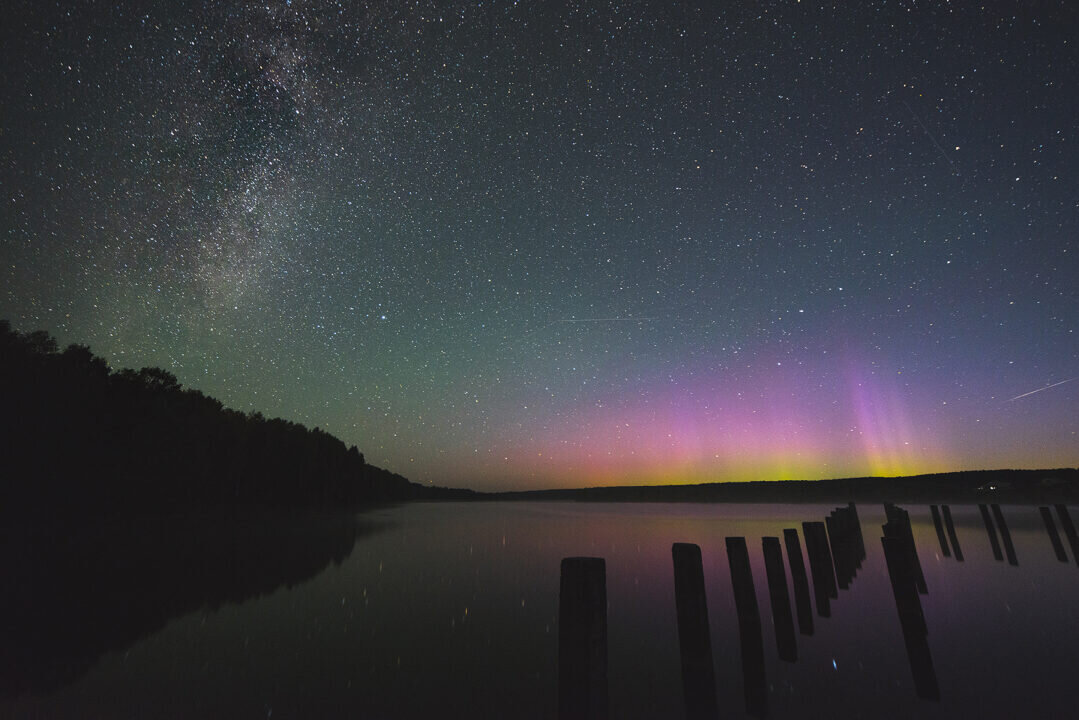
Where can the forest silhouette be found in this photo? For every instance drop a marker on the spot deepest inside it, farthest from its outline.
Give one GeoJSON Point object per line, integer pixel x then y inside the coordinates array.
{"type": "Point", "coordinates": [78, 436]}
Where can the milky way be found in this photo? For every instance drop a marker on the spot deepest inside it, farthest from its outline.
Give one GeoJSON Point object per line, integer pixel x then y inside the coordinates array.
{"type": "Point", "coordinates": [524, 244]}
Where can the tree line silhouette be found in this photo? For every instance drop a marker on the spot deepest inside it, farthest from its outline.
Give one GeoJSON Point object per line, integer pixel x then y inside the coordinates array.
{"type": "Point", "coordinates": [78, 435]}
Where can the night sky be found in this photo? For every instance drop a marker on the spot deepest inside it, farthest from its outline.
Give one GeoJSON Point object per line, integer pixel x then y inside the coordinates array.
{"type": "Point", "coordinates": [510, 245]}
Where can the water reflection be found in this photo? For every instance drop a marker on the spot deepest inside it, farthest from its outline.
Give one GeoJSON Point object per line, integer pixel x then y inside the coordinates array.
{"type": "Point", "coordinates": [1054, 536]}
{"type": "Point", "coordinates": [992, 531]}
{"type": "Point", "coordinates": [938, 525]}
{"type": "Point", "coordinates": [952, 536]}
{"type": "Point", "coordinates": [1005, 534]}
{"type": "Point", "coordinates": [1069, 530]}
{"type": "Point", "coordinates": [77, 592]}
{"type": "Point", "coordinates": [455, 610]}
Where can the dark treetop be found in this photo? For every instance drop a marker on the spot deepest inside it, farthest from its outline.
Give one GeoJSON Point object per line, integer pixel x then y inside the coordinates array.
{"type": "Point", "coordinates": [78, 436]}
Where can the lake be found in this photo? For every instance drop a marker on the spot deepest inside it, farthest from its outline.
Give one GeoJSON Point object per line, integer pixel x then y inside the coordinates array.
{"type": "Point", "coordinates": [452, 610]}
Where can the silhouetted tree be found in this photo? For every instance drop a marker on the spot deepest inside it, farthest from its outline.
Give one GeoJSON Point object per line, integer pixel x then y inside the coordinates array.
{"type": "Point", "coordinates": [78, 436]}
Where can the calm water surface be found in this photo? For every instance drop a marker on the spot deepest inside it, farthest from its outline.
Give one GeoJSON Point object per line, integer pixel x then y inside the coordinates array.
{"type": "Point", "coordinates": [451, 610]}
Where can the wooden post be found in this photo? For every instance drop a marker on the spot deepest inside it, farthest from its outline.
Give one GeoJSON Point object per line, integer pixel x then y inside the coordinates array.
{"type": "Point", "coordinates": [898, 526]}
{"type": "Point", "coordinates": [911, 616]}
{"type": "Point", "coordinates": [857, 532]}
{"type": "Point", "coordinates": [939, 527]}
{"type": "Point", "coordinates": [1069, 530]}
{"type": "Point", "coordinates": [951, 532]}
{"type": "Point", "coordinates": [745, 596]}
{"type": "Point", "coordinates": [780, 599]}
{"type": "Point", "coordinates": [749, 627]}
{"type": "Point", "coordinates": [904, 586]}
{"type": "Point", "coordinates": [838, 548]}
{"type": "Point", "coordinates": [921, 665]}
{"type": "Point", "coordinates": [801, 582]}
{"type": "Point", "coordinates": [1054, 536]}
{"type": "Point", "coordinates": [991, 531]}
{"type": "Point", "coordinates": [1005, 535]}
{"type": "Point", "coordinates": [582, 639]}
{"type": "Point", "coordinates": [694, 637]}
{"type": "Point", "coordinates": [847, 546]}
{"type": "Point", "coordinates": [820, 566]}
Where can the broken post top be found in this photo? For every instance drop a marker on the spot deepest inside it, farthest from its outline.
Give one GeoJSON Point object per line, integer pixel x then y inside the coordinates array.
{"type": "Point", "coordinates": [686, 553]}
{"type": "Point", "coordinates": [584, 565]}
{"type": "Point", "coordinates": [745, 597]}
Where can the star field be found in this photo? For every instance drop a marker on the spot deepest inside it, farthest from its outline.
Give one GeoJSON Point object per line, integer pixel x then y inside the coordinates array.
{"type": "Point", "coordinates": [515, 244]}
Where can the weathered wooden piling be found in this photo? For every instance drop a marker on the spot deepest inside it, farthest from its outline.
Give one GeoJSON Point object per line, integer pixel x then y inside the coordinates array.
{"type": "Point", "coordinates": [839, 550]}
{"type": "Point", "coordinates": [745, 596]}
{"type": "Point", "coordinates": [938, 525]}
{"type": "Point", "coordinates": [800, 581]}
{"type": "Point", "coordinates": [951, 532]}
{"type": "Point", "coordinates": [582, 639]}
{"type": "Point", "coordinates": [1069, 530]}
{"type": "Point", "coordinates": [898, 526]}
{"type": "Point", "coordinates": [921, 665]}
{"type": "Point", "coordinates": [820, 566]}
{"type": "Point", "coordinates": [780, 599]}
{"type": "Point", "coordinates": [1054, 536]}
{"type": "Point", "coordinates": [694, 637]}
{"type": "Point", "coordinates": [992, 532]}
{"type": "Point", "coordinates": [904, 585]}
{"type": "Point", "coordinates": [749, 627]}
{"type": "Point", "coordinates": [857, 532]}
{"type": "Point", "coordinates": [911, 616]}
{"type": "Point", "coordinates": [847, 546]}
{"type": "Point", "coordinates": [1005, 535]}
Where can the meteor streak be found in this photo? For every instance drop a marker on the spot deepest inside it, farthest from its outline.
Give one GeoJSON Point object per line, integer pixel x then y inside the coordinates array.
{"type": "Point", "coordinates": [607, 319]}
{"type": "Point", "coordinates": [1017, 397]}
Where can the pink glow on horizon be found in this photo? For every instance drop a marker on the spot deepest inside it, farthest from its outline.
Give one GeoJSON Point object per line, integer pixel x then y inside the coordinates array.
{"type": "Point", "coordinates": [715, 429]}
{"type": "Point", "coordinates": [893, 442]}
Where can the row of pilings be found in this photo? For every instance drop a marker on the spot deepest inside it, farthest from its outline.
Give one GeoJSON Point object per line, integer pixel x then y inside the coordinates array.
{"type": "Point", "coordinates": [835, 552]}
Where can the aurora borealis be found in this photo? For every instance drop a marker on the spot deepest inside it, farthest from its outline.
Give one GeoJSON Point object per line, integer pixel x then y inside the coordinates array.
{"type": "Point", "coordinates": [510, 245]}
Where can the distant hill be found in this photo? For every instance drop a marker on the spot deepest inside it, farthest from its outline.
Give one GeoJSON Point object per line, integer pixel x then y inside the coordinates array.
{"type": "Point", "coordinates": [975, 486]}
{"type": "Point", "coordinates": [76, 435]}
